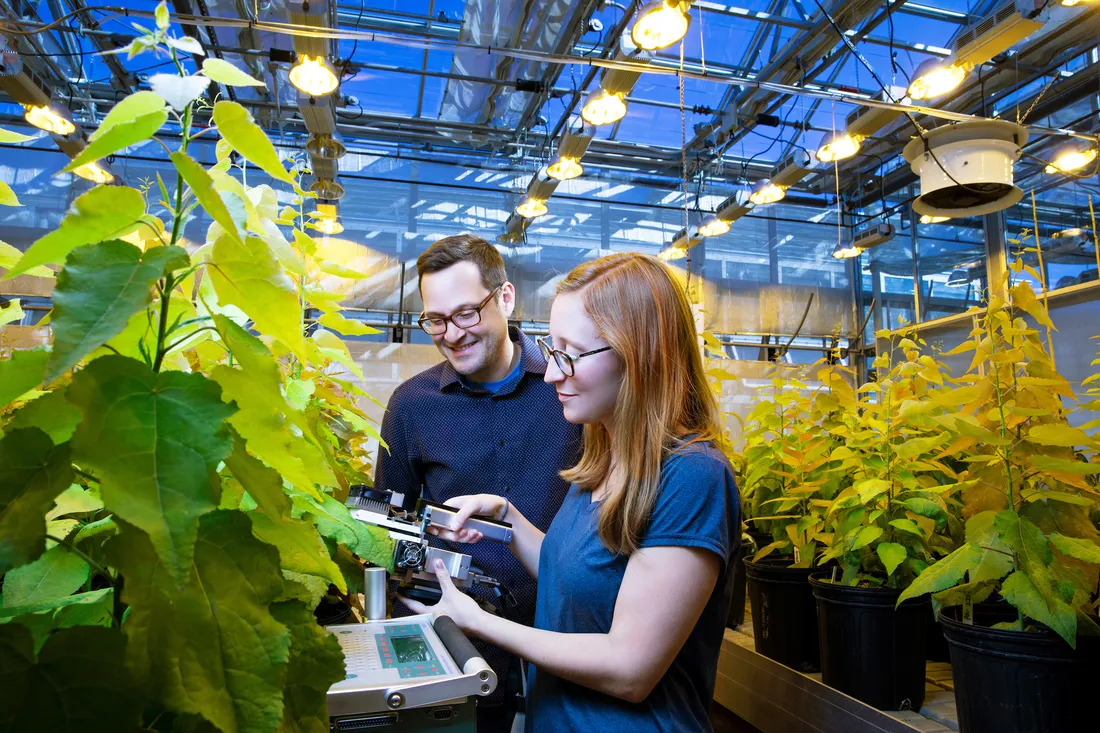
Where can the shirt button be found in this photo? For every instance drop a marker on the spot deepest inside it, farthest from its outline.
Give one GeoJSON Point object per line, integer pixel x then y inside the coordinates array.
{"type": "Point", "coordinates": [500, 443]}
{"type": "Point", "coordinates": [507, 489]}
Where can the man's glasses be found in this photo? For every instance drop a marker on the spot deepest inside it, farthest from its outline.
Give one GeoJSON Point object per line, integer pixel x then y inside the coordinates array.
{"type": "Point", "coordinates": [566, 362]}
{"type": "Point", "coordinates": [465, 318]}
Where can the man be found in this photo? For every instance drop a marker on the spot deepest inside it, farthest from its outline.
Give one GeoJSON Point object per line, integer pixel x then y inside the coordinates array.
{"type": "Point", "coordinates": [483, 421]}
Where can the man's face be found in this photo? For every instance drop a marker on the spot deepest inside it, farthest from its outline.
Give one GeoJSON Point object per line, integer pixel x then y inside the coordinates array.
{"type": "Point", "coordinates": [472, 351]}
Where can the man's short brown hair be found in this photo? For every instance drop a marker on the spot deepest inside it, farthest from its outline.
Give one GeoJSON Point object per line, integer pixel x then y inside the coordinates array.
{"type": "Point", "coordinates": [464, 248]}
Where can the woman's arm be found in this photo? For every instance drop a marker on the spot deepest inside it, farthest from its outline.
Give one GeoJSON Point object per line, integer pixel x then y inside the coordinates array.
{"type": "Point", "coordinates": [662, 596]}
{"type": "Point", "coordinates": [526, 542]}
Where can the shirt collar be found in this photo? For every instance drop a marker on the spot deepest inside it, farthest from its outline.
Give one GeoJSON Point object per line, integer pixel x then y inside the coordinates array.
{"type": "Point", "coordinates": [530, 361]}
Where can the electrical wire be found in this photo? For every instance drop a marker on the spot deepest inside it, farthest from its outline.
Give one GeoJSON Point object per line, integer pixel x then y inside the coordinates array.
{"type": "Point", "coordinates": [355, 45]}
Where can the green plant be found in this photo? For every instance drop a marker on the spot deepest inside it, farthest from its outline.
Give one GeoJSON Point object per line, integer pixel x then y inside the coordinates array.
{"type": "Point", "coordinates": [790, 476]}
{"type": "Point", "coordinates": [1028, 490]}
{"type": "Point", "coordinates": [896, 517]}
{"type": "Point", "coordinates": [170, 481]}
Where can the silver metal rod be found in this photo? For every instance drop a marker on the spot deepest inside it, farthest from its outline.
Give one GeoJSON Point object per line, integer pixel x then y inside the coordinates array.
{"type": "Point", "coordinates": [374, 593]}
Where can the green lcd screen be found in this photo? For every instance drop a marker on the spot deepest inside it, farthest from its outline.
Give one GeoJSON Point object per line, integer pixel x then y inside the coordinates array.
{"type": "Point", "coordinates": [410, 649]}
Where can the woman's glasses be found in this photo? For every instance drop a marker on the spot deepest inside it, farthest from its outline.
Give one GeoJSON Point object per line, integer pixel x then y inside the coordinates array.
{"type": "Point", "coordinates": [566, 362]}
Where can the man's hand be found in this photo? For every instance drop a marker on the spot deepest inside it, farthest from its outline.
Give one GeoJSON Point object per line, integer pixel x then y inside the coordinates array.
{"type": "Point", "coordinates": [485, 505]}
{"type": "Point", "coordinates": [462, 609]}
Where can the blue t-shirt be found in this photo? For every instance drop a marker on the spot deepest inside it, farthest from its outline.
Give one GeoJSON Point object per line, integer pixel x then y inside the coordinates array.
{"type": "Point", "coordinates": [494, 387]}
{"type": "Point", "coordinates": [697, 506]}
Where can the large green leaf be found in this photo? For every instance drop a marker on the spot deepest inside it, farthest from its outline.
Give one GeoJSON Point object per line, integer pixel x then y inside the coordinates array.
{"type": "Point", "coordinates": [248, 276]}
{"type": "Point", "coordinates": [865, 536]}
{"type": "Point", "coordinates": [10, 255]}
{"type": "Point", "coordinates": [32, 473]}
{"type": "Point", "coordinates": [56, 575]}
{"type": "Point", "coordinates": [210, 647]}
{"type": "Point", "coordinates": [50, 413]}
{"type": "Point", "coordinates": [202, 185]}
{"type": "Point", "coordinates": [301, 549]}
{"type": "Point", "coordinates": [21, 372]}
{"type": "Point", "coordinates": [264, 418]}
{"type": "Point", "coordinates": [372, 544]}
{"type": "Point", "coordinates": [236, 125]}
{"type": "Point", "coordinates": [316, 663]}
{"type": "Point", "coordinates": [166, 436]}
{"type": "Point", "coordinates": [1063, 465]}
{"type": "Point", "coordinates": [994, 556]}
{"type": "Point", "coordinates": [94, 597]}
{"type": "Point", "coordinates": [134, 119]}
{"type": "Point", "coordinates": [927, 508]}
{"type": "Point", "coordinates": [100, 288]}
{"type": "Point", "coordinates": [104, 212]}
{"type": "Point", "coordinates": [1021, 591]}
{"type": "Point", "coordinates": [78, 683]}
{"type": "Point", "coordinates": [943, 574]}
{"type": "Point", "coordinates": [1080, 549]}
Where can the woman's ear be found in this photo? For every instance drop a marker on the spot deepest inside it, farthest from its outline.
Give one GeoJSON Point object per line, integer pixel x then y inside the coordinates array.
{"type": "Point", "coordinates": [507, 299]}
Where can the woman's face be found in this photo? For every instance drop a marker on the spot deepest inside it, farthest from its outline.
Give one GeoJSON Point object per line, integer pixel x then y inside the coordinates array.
{"type": "Point", "coordinates": [589, 395]}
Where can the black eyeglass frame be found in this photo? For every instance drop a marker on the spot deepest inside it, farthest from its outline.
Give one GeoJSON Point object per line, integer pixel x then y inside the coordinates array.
{"type": "Point", "coordinates": [549, 351]}
{"type": "Point", "coordinates": [423, 321]}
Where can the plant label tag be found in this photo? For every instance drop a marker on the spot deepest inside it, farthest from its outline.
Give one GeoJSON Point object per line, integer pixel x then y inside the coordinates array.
{"type": "Point", "coordinates": [797, 555]}
{"type": "Point", "coordinates": [968, 609]}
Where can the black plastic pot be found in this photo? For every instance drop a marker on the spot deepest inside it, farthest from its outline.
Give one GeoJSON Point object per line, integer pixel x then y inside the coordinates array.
{"type": "Point", "coordinates": [869, 649]}
{"type": "Point", "coordinates": [1022, 682]}
{"type": "Point", "coordinates": [737, 601]}
{"type": "Point", "coordinates": [935, 649]}
{"type": "Point", "coordinates": [784, 624]}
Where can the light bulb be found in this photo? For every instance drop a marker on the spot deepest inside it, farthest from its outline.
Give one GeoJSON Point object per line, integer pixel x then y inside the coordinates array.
{"type": "Point", "coordinates": [1071, 160]}
{"type": "Point", "coordinates": [49, 118]}
{"type": "Point", "coordinates": [672, 253]}
{"type": "Point", "coordinates": [530, 208]}
{"type": "Point", "coordinates": [660, 25]}
{"type": "Point", "coordinates": [930, 219]}
{"type": "Point", "coordinates": [1072, 3]}
{"type": "Point", "coordinates": [957, 278]}
{"type": "Point", "coordinates": [714, 227]}
{"type": "Point", "coordinates": [1067, 233]}
{"type": "Point", "coordinates": [329, 226]}
{"type": "Point", "coordinates": [767, 192]}
{"type": "Point", "coordinates": [935, 79]}
{"type": "Point", "coordinates": [839, 146]}
{"type": "Point", "coordinates": [604, 108]}
{"type": "Point", "coordinates": [94, 172]}
{"type": "Point", "coordinates": [846, 252]}
{"type": "Point", "coordinates": [564, 169]}
{"type": "Point", "coordinates": [313, 75]}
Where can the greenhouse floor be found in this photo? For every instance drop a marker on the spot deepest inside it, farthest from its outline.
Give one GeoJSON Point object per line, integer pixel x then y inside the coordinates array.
{"type": "Point", "coordinates": [777, 699]}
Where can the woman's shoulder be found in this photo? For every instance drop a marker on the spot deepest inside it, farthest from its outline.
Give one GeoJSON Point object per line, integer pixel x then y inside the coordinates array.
{"type": "Point", "coordinates": [700, 455]}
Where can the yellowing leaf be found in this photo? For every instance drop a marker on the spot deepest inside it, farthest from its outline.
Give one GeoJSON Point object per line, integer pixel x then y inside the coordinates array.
{"type": "Point", "coordinates": [202, 185]}
{"type": "Point", "coordinates": [134, 119]}
{"type": "Point", "coordinates": [7, 196]}
{"type": "Point", "coordinates": [9, 255]}
{"type": "Point", "coordinates": [226, 73]}
{"type": "Point", "coordinates": [248, 276]}
{"type": "Point", "coordinates": [237, 126]}
{"type": "Point", "coordinates": [891, 554]}
{"type": "Point", "coordinates": [332, 347]}
{"type": "Point", "coordinates": [104, 212]}
{"type": "Point", "coordinates": [1059, 435]}
{"type": "Point", "coordinates": [13, 138]}
{"type": "Point", "coordinates": [348, 327]}
{"type": "Point", "coordinates": [11, 312]}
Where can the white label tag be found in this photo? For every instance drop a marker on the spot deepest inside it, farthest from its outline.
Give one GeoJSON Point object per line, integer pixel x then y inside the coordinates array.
{"type": "Point", "coordinates": [968, 610]}
{"type": "Point", "coordinates": [797, 555]}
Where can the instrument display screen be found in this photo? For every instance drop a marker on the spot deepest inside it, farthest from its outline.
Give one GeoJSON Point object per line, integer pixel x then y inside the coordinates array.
{"type": "Point", "coordinates": [410, 649]}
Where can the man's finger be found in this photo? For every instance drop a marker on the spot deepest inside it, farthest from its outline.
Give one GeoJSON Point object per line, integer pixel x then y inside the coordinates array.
{"type": "Point", "coordinates": [414, 606]}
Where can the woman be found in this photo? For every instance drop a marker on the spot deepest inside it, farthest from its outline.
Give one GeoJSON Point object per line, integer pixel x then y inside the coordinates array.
{"type": "Point", "coordinates": [634, 574]}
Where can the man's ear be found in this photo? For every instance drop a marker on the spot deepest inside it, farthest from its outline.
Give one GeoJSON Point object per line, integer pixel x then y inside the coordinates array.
{"type": "Point", "coordinates": [507, 299]}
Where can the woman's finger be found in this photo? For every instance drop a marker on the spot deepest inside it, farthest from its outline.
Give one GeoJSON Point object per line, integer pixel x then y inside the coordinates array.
{"type": "Point", "coordinates": [414, 606]}
{"type": "Point", "coordinates": [444, 578]}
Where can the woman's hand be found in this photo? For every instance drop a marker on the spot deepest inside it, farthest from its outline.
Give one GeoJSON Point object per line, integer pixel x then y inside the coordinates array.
{"type": "Point", "coordinates": [462, 609]}
{"type": "Point", "coordinates": [485, 505]}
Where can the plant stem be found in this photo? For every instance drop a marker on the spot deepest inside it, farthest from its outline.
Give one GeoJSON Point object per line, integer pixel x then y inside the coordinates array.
{"type": "Point", "coordinates": [80, 553]}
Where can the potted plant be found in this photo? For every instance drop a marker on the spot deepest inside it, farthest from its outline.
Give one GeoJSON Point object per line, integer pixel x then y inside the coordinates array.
{"type": "Point", "coordinates": [885, 528]}
{"type": "Point", "coordinates": [1028, 537]}
{"type": "Point", "coordinates": [790, 478]}
{"type": "Point", "coordinates": [168, 479]}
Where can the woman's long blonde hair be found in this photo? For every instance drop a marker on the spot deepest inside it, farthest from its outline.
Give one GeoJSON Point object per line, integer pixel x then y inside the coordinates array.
{"type": "Point", "coordinates": [643, 312]}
